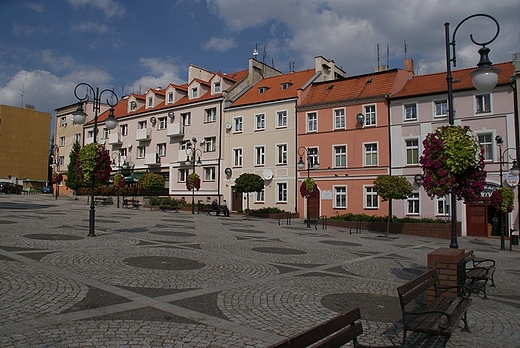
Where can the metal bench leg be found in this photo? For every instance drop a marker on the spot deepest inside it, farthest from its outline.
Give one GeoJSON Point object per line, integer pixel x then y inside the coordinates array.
{"type": "Point", "coordinates": [484, 290]}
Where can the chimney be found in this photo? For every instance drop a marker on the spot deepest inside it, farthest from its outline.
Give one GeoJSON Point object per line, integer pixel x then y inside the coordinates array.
{"type": "Point", "coordinates": [408, 65]}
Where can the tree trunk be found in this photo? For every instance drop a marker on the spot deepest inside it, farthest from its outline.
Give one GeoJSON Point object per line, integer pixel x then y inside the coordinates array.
{"type": "Point", "coordinates": [389, 217]}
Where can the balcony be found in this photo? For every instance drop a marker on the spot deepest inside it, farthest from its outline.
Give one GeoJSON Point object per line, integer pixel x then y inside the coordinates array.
{"type": "Point", "coordinates": [143, 134]}
{"type": "Point", "coordinates": [175, 130]}
{"type": "Point", "coordinates": [114, 139]}
{"type": "Point", "coordinates": [152, 159]}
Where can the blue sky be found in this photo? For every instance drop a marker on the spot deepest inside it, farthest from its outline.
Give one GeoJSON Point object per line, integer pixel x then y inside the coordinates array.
{"type": "Point", "coordinates": [47, 47]}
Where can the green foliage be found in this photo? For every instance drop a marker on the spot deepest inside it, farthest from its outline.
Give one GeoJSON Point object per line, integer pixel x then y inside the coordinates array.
{"type": "Point", "coordinates": [73, 181]}
{"type": "Point", "coordinates": [392, 187]}
{"type": "Point", "coordinates": [502, 199]}
{"type": "Point", "coordinates": [94, 163]}
{"type": "Point", "coordinates": [151, 181]}
{"type": "Point", "coordinates": [248, 182]}
{"type": "Point", "coordinates": [375, 218]}
{"type": "Point", "coordinates": [165, 201]}
{"type": "Point", "coordinates": [267, 210]}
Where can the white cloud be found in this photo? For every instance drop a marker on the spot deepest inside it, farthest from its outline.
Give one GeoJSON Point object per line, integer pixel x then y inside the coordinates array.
{"type": "Point", "coordinates": [35, 7]}
{"type": "Point", "coordinates": [162, 74]}
{"type": "Point", "coordinates": [89, 27]}
{"type": "Point", "coordinates": [110, 8]}
{"type": "Point", "coordinates": [218, 44]}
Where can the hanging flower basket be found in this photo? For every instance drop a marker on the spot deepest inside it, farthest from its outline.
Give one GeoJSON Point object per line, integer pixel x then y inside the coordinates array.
{"type": "Point", "coordinates": [453, 160]}
{"type": "Point", "coordinates": [94, 162]}
{"type": "Point", "coordinates": [502, 199]}
{"type": "Point", "coordinates": [57, 178]}
{"type": "Point", "coordinates": [193, 181]}
{"type": "Point", "coordinates": [309, 189]}
{"type": "Point", "coordinates": [119, 181]}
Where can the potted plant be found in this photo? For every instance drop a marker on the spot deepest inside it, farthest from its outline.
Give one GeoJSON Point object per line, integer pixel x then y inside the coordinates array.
{"type": "Point", "coordinates": [308, 188]}
{"type": "Point", "coordinates": [193, 181]}
{"type": "Point", "coordinates": [502, 199]}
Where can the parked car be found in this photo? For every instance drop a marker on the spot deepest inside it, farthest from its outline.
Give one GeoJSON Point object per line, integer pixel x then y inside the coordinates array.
{"type": "Point", "coordinates": [47, 189]}
{"type": "Point", "coordinates": [9, 187]}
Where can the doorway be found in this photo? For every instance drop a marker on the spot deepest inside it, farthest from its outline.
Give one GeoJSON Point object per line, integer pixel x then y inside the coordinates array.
{"type": "Point", "coordinates": [236, 200]}
{"type": "Point", "coordinates": [314, 207]}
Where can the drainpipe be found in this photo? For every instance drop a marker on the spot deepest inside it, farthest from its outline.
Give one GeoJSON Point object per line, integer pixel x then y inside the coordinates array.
{"type": "Point", "coordinates": [219, 150]}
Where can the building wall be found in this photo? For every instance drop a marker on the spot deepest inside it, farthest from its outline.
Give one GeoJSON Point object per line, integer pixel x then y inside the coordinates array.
{"type": "Point", "coordinates": [24, 140]}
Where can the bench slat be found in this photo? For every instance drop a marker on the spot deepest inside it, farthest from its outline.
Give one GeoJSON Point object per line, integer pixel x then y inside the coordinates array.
{"type": "Point", "coordinates": [409, 291]}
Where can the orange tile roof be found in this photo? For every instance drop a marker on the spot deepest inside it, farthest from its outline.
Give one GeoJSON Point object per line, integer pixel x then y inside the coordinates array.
{"type": "Point", "coordinates": [436, 83]}
{"type": "Point", "coordinates": [120, 110]}
{"type": "Point", "coordinates": [357, 87]}
{"type": "Point", "coordinates": [274, 88]}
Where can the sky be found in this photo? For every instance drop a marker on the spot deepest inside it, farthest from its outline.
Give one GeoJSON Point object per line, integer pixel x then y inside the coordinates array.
{"type": "Point", "coordinates": [47, 47]}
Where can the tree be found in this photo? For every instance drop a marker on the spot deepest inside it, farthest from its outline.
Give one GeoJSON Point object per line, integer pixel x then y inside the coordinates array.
{"type": "Point", "coordinates": [390, 187]}
{"type": "Point", "coordinates": [247, 183]}
{"type": "Point", "coordinates": [94, 164]}
{"type": "Point", "coordinates": [73, 181]}
{"type": "Point", "coordinates": [151, 181]}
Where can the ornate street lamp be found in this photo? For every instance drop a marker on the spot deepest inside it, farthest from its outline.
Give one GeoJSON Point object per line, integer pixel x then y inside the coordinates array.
{"type": "Point", "coordinates": [56, 165]}
{"type": "Point", "coordinates": [312, 163]}
{"type": "Point", "coordinates": [79, 117]}
{"type": "Point", "coordinates": [119, 168]}
{"type": "Point", "coordinates": [193, 158]}
{"type": "Point", "coordinates": [485, 78]}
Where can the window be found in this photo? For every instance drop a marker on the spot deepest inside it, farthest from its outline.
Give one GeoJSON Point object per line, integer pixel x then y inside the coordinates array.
{"type": "Point", "coordinates": [281, 118]}
{"type": "Point", "coordinates": [483, 103]}
{"type": "Point", "coordinates": [340, 197]}
{"type": "Point", "coordinates": [123, 153]}
{"type": "Point", "coordinates": [150, 102]}
{"type": "Point", "coordinates": [185, 144]}
{"type": "Point", "coordinates": [260, 196]}
{"type": "Point", "coordinates": [371, 198]}
{"type": "Point", "coordinates": [61, 142]}
{"type": "Point", "coordinates": [237, 157]}
{"type": "Point", "coordinates": [141, 151]}
{"type": "Point", "coordinates": [63, 122]}
{"type": "Point", "coordinates": [441, 108]}
{"type": "Point", "coordinates": [412, 151]}
{"type": "Point", "coordinates": [340, 156]}
{"type": "Point", "coordinates": [90, 134]}
{"type": "Point", "coordinates": [209, 144]}
{"type": "Point", "coordinates": [370, 115]}
{"type": "Point", "coordinates": [413, 204]}
{"type": "Point", "coordinates": [312, 153]}
{"type": "Point", "coordinates": [162, 122]}
{"type": "Point", "coordinates": [77, 137]}
{"type": "Point", "coordinates": [262, 90]}
{"type": "Point", "coordinates": [339, 119]}
{"type": "Point", "coordinates": [410, 112]}
{"type": "Point", "coordinates": [194, 92]}
{"type": "Point", "coordinates": [370, 154]}
{"type": "Point", "coordinates": [312, 122]}
{"type": "Point", "coordinates": [106, 133]}
{"type": "Point", "coordinates": [443, 206]}
{"type": "Point", "coordinates": [260, 122]}
{"type": "Point", "coordinates": [237, 121]}
{"type": "Point", "coordinates": [281, 154]}
{"type": "Point", "coordinates": [281, 193]}
{"type": "Point", "coordinates": [161, 149]}
{"type": "Point", "coordinates": [123, 129]}
{"type": "Point", "coordinates": [259, 155]}
{"type": "Point", "coordinates": [186, 119]}
{"type": "Point", "coordinates": [61, 160]}
{"type": "Point", "coordinates": [170, 97]}
{"type": "Point", "coordinates": [183, 174]}
{"type": "Point", "coordinates": [211, 115]}
{"type": "Point", "coordinates": [216, 87]}
{"type": "Point", "coordinates": [209, 174]}
{"type": "Point", "coordinates": [486, 141]}
{"type": "Point", "coordinates": [133, 105]}
{"type": "Point", "coordinates": [286, 85]}
{"type": "Point", "coordinates": [141, 125]}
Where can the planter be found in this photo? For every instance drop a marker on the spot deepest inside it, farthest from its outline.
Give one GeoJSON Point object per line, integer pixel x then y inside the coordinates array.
{"type": "Point", "coordinates": [73, 195]}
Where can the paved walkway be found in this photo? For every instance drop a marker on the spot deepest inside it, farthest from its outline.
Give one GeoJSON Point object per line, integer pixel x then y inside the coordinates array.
{"type": "Point", "coordinates": [166, 279]}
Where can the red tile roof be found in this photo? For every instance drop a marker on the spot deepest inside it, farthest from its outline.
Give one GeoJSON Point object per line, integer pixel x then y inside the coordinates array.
{"type": "Point", "coordinates": [274, 88]}
{"type": "Point", "coordinates": [436, 83]}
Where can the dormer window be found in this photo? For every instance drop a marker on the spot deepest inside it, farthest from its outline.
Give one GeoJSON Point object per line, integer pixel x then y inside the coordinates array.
{"type": "Point", "coordinates": [194, 92]}
{"type": "Point", "coordinates": [170, 97]}
{"type": "Point", "coordinates": [286, 85]}
{"type": "Point", "coordinates": [262, 90]}
{"type": "Point", "coordinates": [133, 105]}
{"type": "Point", "coordinates": [216, 87]}
{"type": "Point", "coordinates": [150, 102]}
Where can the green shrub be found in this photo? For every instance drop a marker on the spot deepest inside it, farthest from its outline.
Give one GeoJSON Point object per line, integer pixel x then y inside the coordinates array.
{"type": "Point", "coordinates": [266, 210]}
{"type": "Point", "coordinates": [375, 218]}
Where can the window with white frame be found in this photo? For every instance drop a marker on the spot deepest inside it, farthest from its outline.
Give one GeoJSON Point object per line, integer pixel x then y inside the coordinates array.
{"type": "Point", "coordinates": [161, 149]}
{"type": "Point", "coordinates": [123, 129]}
{"type": "Point", "coordinates": [194, 92]}
{"type": "Point", "coordinates": [370, 115]}
{"type": "Point", "coordinates": [90, 134]}
{"type": "Point", "coordinates": [184, 144]}
{"type": "Point", "coordinates": [281, 154]}
{"type": "Point", "coordinates": [141, 151]}
{"type": "Point", "coordinates": [61, 141]}
{"type": "Point", "coordinates": [61, 160]}
{"type": "Point", "coordinates": [106, 133]}
{"type": "Point", "coordinates": [133, 105]}
{"type": "Point", "coordinates": [486, 142]}
{"type": "Point", "coordinates": [260, 196]}
{"type": "Point", "coordinates": [170, 97]}
{"type": "Point", "coordinates": [340, 196]}
{"type": "Point", "coordinates": [340, 156]}
{"type": "Point", "coordinates": [410, 112]}
{"type": "Point", "coordinates": [442, 206]}
{"type": "Point", "coordinates": [371, 198]}
{"type": "Point", "coordinates": [281, 119]}
{"type": "Point", "coordinates": [183, 174]}
{"type": "Point", "coordinates": [77, 137]}
{"type": "Point", "coordinates": [238, 124]}
{"type": "Point", "coordinates": [216, 87]}
{"type": "Point", "coordinates": [339, 119]}
{"type": "Point", "coordinates": [483, 103]}
{"type": "Point", "coordinates": [412, 151]}
{"type": "Point", "coordinates": [237, 157]}
{"type": "Point", "coordinates": [281, 192]}
{"type": "Point", "coordinates": [312, 122]}
{"type": "Point", "coordinates": [312, 154]}
{"type": "Point", "coordinates": [186, 119]}
{"type": "Point", "coordinates": [141, 125]}
{"type": "Point", "coordinates": [260, 122]}
{"type": "Point", "coordinates": [441, 108]}
{"type": "Point", "coordinates": [123, 153]}
{"type": "Point", "coordinates": [150, 102]}
{"type": "Point", "coordinates": [209, 144]}
{"type": "Point", "coordinates": [210, 115]}
{"type": "Point", "coordinates": [162, 122]}
{"type": "Point", "coordinates": [371, 154]}
{"type": "Point", "coordinates": [63, 121]}
{"type": "Point", "coordinates": [259, 155]}
{"type": "Point", "coordinates": [413, 204]}
{"type": "Point", "coordinates": [209, 173]}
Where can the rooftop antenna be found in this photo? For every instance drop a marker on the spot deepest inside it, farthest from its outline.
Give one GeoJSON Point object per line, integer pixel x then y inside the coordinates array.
{"type": "Point", "coordinates": [272, 62]}
{"type": "Point", "coordinates": [22, 92]}
{"type": "Point", "coordinates": [123, 90]}
{"type": "Point", "coordinates": [405, 49]}
{"type": "Point", "coordinates": [255, 52]}
{"type": "Point", "coordinates": [388, 55]}
{"type": "Point", "coordinates": [264, 55]}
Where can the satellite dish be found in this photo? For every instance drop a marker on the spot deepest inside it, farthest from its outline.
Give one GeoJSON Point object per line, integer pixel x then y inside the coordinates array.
{"type": "Point", "coordinates": [227, 125]}
{"type": "Point", "coordinates": [267, 174]}
{"type": "Point", "coordinates": [202, 141]}
{"type": "Point", "coordinates": [129, 145]}
{"type": "Point", "coordinates": [152, 120]}
{"type": "Point", "coordinates": [171, 115]}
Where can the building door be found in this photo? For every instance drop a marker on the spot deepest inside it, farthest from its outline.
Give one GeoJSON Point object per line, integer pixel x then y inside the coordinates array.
{"type": "Point", "coordinates": [236, 199]}
{"type": "Point", "coordinates": [476, 216]}
{"type": "Point", "coordinates": [314, 207]}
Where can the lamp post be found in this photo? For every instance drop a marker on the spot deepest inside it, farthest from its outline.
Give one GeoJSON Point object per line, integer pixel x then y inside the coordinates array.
{"type": "Point", "coordinates": [312, 162]}
{"type": "Point", "coordinates": [56, 164]}
{"type": "Point", "coordinates": [191, 154]}
{"type": "Point", "coordinates": [79, 117]}
{"type": "Point", "coordinates": [118, 167]}
{"type": "Point", "coordinates": [485, 78]}
{"type": "Point", "coordinates": [514, 171]}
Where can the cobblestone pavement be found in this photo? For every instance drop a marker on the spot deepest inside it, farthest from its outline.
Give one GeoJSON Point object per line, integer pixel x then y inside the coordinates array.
{"type": "Point", "coordinates": [166, 279]}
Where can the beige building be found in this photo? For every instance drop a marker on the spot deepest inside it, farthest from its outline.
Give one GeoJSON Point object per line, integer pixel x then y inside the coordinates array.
{"type": "Point", "coordinates": [24, 140]}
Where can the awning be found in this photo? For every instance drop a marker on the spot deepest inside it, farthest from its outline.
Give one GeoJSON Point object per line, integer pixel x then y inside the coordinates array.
{"type": "Point", "coordinates": [133, 177]}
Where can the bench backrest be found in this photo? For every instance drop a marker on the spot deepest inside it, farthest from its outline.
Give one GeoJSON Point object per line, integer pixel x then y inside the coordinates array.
{"type": "Point", "coordinates": [411, 290]}
{"type": "Point", "coordinates": [339, 330]}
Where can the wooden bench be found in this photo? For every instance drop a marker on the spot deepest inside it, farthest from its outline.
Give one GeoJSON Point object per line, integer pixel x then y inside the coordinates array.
{"type": "Point", "coordinates": [217, 209]}
{"type": "Point", "coordinates": [440, 317]}
{"type": "Point", "coordinates": [127, 202]}
{"type": "Point", "coordinates": [100, 200]}
{"type": "Point", "coordinates": [164, 208]}
{"type": "Point", "coordinates": [335, 332]}
{"type": "Point", "coordinates": [479, 270]}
